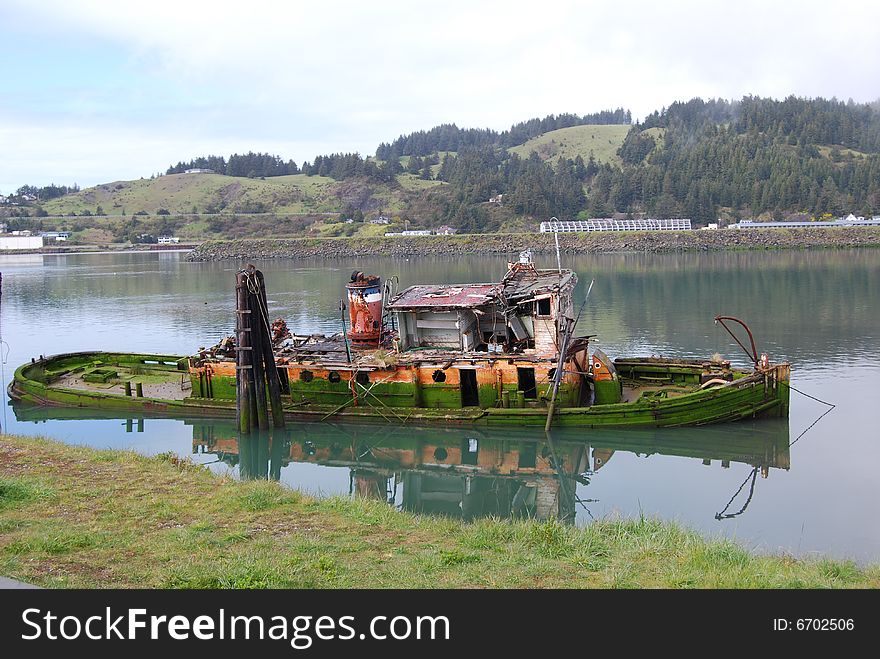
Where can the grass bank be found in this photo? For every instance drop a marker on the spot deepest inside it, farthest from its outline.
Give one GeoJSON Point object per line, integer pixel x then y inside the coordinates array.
{"type": "Point", "coordinates": [76, 517]}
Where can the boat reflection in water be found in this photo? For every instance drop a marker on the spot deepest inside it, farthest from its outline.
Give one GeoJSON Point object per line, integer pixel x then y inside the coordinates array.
{"type": "Point", "coordinates": [467, 472]}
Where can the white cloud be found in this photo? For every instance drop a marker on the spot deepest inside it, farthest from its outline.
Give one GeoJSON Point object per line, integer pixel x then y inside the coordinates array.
{"type": "Point", "coordinates": [338, 76]}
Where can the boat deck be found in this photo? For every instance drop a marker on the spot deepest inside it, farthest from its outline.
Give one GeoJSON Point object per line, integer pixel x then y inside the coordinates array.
{"type": "Point", "coordinates": [169, 387]}
{"type": "Point", "coordinates": [633, 392]}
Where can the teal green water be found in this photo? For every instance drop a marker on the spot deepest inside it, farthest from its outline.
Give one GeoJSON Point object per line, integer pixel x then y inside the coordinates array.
{"type": "Point", "coordinates": [817, 309]}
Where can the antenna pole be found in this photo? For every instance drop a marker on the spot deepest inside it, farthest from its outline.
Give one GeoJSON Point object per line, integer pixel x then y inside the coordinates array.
{"type": "Point", "coordinates": [558, 259]}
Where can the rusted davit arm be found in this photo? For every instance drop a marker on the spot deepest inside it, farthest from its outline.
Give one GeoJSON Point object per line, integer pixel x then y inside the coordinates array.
{"type": "Point", "coordinates": [754, 353]}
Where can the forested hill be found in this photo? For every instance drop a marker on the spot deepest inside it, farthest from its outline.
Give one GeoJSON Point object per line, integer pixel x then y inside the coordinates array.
{"type": "Point", "coordinates": [752, 158]}
{"type": "Point", "coordinates": [748, 157]}
{"type": "Point", "coordinates": [450, 137]}
{"type": "Point", "coordinates": [697, 159]}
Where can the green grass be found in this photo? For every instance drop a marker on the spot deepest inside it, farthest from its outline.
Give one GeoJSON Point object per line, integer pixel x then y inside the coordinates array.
{"type": "Point", "coordinates": [844, 152]}
{"type": "Point", "coordinates": [117, 519]}
{"type": "Point", "coordinates": [602, 141]}
{"type": "Point", "coordinates": [210, 193]}
{"type": "Point", "coordinates": [180, 193]}
{"type": "Point", "coordinates": [414, 183]}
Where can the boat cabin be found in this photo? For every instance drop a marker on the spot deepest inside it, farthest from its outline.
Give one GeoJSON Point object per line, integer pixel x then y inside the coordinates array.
{"type": "Point", "coordinates": [520, 314]}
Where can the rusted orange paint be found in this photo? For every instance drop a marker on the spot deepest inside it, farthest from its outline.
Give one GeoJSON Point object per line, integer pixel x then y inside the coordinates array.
{"type": "Point", "coordinates": [601, 372]}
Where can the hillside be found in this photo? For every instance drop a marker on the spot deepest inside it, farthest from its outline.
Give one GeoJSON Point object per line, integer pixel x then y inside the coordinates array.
{"type": "Point", "coordinates": [205, 206]}
{"type": "Point", "coordinates": [206, 193]}
{"type": "Point", "coordinates": [602, 142]}
{"type": "Point", "coordinates": [753, 158]}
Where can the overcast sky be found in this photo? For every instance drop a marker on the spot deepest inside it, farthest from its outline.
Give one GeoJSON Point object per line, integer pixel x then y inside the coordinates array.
{"type": "Point", "coordinates": [100, 90]}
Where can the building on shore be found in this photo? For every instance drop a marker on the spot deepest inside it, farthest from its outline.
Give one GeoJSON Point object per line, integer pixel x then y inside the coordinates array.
{"type": "Point", "coordinates": [56, 236]}
{"type": "Point", "coordinates": [20, 242]}
{"type": "Point", "coordinates": [411, 232]}
{"type": "Point", "coordinates": [168, 240]}
{"type": "Point", "coordinates": [850, 221]}
{"type": "Point", "coordinates": [199, 170]}
{"type": "Point", "coordinates": [609, 224]}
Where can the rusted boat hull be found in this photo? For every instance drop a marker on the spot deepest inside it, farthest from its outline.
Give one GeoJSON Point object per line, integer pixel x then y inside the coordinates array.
{"type": "Point", "coordinates": [60, 381]}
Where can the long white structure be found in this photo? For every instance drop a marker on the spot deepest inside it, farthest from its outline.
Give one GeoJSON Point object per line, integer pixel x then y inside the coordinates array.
{"type": "Point", "coordinates": [607, 224]}
{"type": "Point", "coordinates": [21, 242]}
{"type": "Point", "coordinates": [823, 224]}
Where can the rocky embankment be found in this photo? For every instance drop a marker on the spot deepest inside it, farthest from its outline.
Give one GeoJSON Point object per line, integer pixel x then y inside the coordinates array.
{"type": "Point", "coordinates": [512, 243]}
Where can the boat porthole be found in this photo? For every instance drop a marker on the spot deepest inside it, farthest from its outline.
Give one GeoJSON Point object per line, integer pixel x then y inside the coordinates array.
{"type": "Point", "coordinates": [362, 377]}
{"type": "Point", "coordinates": [306, 376]}
{"type": "Point", "coordinates": [440, 454]}
{"type": "Point", "coordinates": [438, 376]}
{"type": "Point", "coordinates": [334, 377]}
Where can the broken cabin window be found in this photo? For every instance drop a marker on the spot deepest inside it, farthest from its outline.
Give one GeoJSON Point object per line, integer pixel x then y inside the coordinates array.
{"type": "Point", "coordinates": [542, 307]}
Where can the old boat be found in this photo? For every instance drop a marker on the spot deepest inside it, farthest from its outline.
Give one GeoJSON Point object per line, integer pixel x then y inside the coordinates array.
{"type": "Point", "coordinates": [486, 353]}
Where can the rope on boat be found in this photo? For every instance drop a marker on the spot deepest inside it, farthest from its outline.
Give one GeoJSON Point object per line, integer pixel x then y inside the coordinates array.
{"type": "Point", "coordinates": [583, 503]}
{"type": "Point", "coordinates": [724, 514]}
{"type": "Point", "coordinates": [831, 406]}
{"type": "Point", "coordinates": [754, 473]}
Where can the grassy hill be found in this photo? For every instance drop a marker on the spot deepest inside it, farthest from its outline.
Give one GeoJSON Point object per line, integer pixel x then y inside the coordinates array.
{"type": "Point", "coordinates": [214, 193]}
{"type": "Point", "coordinates": [206, 206]}
{"type": "Point", "coordinates": [733, 159]}
{"type": "Point", "coordinates": [206, 193]}
{"type": "Point", "coordinates": [602, 141]}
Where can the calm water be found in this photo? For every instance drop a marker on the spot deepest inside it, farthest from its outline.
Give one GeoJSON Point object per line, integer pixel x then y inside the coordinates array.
{"type": "Point", "coordinates": [816, 309]}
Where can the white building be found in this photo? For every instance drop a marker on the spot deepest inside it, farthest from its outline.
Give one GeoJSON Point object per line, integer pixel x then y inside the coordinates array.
{"type": "Point", "coordinates": [608, 224]}
{"type": "Point", "coordinates": [20, 242]}
{"type": "Point", "coordinates": [411, 232]}
{"type": "Point", "coordinates": [57, 236]}
{"type": "Point", "coordinates": [199, 171]}
{"type": "Point", "coordinates": [168, 240]}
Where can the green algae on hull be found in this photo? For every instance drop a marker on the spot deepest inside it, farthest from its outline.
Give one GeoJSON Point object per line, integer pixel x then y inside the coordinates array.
{"type": "Point", "coordinates": [58, 381]}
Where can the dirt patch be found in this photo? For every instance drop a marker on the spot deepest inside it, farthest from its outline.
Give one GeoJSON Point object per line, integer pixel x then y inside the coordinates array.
{"type": "Point", "coordinates": [230, 193]}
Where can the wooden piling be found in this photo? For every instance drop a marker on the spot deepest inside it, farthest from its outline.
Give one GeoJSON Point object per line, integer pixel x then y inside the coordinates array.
{"type": "Point", "coordinates": [257, 331]}
{"type": "Point", "coordinates": [128, 389]}
{"type": "Point", "coordinates": [139, 389]}
{"type": "Point", "coordinates": [243, 355]}
{"type": "Point", "coordinates": [271, 369]}
{"type": "Point", "coordinates": [256, 371]}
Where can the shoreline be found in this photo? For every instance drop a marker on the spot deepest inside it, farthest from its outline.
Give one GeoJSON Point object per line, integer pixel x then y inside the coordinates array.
{"type": "Point", "coordinates": [569, 243]}
{"type": "Point", "coordinates": [76, 517]}
{"type": "Point", "coordinates": [97, 249]}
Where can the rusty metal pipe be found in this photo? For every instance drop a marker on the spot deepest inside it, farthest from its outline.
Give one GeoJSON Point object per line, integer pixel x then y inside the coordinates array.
{"type": "Point", "coordinates": [754, 354]}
